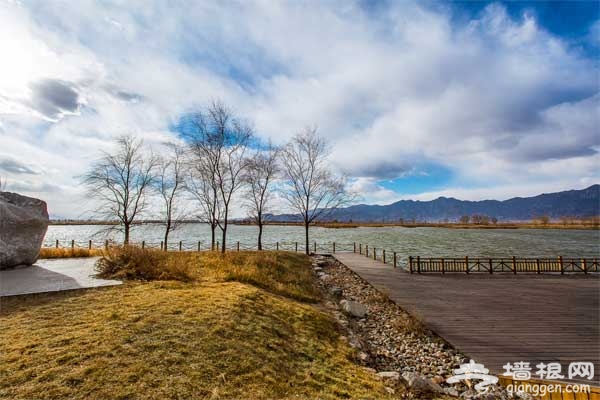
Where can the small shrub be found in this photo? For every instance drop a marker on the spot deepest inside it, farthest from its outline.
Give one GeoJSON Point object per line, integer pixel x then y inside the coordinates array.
{"type": "Point", "coordinates": [135, 263]}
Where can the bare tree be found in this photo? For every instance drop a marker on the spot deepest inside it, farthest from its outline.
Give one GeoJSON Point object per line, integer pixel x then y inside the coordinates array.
{"type": "Point", "coordinates": [202, 186]}
{"type": "Point", "coordinates": [121, 182]}
{"type": "Point", "coordinates": [260, 173]}
{"type": "Point", "coordinates": [170, 184]}
{"type": "Point", "coordinates": [310, 188]}
{"type": "Point", "coordinates": [219, 143]}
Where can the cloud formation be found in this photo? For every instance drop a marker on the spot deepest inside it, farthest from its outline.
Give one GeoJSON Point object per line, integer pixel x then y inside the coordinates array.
{"type": "Point", "coordinates": [498, 101]}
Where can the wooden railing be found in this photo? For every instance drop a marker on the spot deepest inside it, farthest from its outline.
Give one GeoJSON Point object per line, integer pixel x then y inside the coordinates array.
{"type": "Point", "coordinates": [512, 265]}
{"type": "Point", "coordinates": [191, 245]}
{"type": "Point", "coordinates": [490, 265]}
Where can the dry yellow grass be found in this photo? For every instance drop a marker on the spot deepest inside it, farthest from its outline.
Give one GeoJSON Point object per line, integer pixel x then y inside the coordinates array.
{"type": "Point", "coordinates": [212, 338]}
{"type": "Point", "coordinates": [278, 272]}
{"type": "Point", "coordinates": [51, 252]}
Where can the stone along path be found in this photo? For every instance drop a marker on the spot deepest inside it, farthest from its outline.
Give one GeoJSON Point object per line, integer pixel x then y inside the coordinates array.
{"type": "Point", "coordinates": [51, 276]}
{"type": "Point", "coordinates": [502, 318]}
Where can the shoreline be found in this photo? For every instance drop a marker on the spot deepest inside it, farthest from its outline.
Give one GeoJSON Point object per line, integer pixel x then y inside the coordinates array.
{"type": "Point", "coordinates": [352, 225]}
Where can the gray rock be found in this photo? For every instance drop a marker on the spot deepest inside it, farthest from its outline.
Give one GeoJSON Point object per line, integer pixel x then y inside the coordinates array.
{"type": "Point", "coordinates": [389, 375]}
{"type": "Point", "coordinates": [23, 225]}
{"type": "Point", "coordinates": [353, 308]}
{"type": "Point", "coordinates": [336, 291]}
{"type": "Point", "coordinates": [419, 383]}
{"type": "Point", "coordinates": [451, 392]}
{"type": "Point", "coordinates": [322, 276]}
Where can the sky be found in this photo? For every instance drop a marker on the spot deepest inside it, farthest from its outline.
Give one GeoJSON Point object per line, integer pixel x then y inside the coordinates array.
{"type": "Point", "coordinates": [418, 99]}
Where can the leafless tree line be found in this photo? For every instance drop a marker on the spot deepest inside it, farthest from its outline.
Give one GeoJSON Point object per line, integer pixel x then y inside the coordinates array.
{"type": "Point", "coordinates": [219, 158]}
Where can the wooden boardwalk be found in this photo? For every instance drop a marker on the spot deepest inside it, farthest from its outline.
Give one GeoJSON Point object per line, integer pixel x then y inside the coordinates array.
{"type": "Point", "coordinates": [502, 318]}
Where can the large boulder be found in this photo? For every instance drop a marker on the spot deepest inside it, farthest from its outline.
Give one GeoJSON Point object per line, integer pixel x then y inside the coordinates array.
{"type": "Point", "coordinates": [23, 225]}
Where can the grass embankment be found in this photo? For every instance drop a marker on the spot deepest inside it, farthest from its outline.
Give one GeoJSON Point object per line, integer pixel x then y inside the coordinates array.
{"type": "Point", "coordinates": [241, 327]}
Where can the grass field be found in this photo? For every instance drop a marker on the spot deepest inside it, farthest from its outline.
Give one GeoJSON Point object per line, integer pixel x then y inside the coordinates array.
{"type": "Point", "coordinates": [245, 326]}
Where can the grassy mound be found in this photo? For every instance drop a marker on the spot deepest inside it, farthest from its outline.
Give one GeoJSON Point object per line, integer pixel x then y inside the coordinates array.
{"type": "Point", "coordinates": [282, 273]}
{"type": "Point", "coordinates": [214, 337]}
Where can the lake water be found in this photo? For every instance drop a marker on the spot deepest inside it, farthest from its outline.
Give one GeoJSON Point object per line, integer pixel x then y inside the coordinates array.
{"type": "Point", "coordinates": [425, 242]}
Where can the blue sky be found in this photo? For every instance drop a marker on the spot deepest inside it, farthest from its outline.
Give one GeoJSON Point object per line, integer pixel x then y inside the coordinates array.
{"type": "Point", "coordinates": [418, 99]}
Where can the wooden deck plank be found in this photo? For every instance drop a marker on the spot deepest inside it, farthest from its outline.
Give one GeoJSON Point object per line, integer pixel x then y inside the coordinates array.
{"type": "Point", "coordinates": [500, 318]}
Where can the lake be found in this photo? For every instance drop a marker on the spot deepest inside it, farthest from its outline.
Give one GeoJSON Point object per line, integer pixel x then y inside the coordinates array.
{"type": "Point", "coordinates": [425, 242]}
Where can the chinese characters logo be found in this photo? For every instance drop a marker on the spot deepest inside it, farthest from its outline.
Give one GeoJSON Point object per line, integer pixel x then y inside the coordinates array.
{"type": "Point", "coordinates": [521, 371]}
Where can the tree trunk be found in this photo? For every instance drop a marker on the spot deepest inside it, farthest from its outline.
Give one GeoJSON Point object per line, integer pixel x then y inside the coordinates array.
{"type": "Point", "coordinates": [260, 229]}
{"type": "Point", "coordinates": [306, 232]}
{"type": "Point", "coordinates": [167, 233]}
{"type": "Point", "coordinates": [126, 240]}
{"type": "Point", "coordinates": [224, 229]}
{"type": "Point", "coordinates": [213, 228]}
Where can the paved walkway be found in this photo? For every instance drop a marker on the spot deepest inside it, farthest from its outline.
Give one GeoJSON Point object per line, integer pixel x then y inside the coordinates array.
{"type": "Point", "coordinates": [501, 318]}
{"type": "Point", "coordinates": [51, 276]}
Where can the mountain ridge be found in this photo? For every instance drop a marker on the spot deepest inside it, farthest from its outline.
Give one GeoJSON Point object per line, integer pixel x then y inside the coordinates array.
{"type": "Point", "coordinates": [569, 203]}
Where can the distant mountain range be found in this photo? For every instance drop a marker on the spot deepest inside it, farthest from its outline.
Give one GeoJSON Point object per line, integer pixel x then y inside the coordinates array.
{"type": "Point", "coordinates": [573, 203]}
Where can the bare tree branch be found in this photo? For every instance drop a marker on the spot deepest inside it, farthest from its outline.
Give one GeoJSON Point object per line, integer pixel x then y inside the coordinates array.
{"type": "Point", "coordinates": [261, 171]}
{"type": "Point", "coordinates": [310, 188]}
{"type": "Point", "coordinates": [121, 182]}
{"type": "Point", "coordinates": [218, 142]}
{"type": "Point", "coordinates": [170, 184]}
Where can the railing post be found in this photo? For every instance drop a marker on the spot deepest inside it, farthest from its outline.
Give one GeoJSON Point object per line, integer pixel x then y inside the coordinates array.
{"type": "Point", "coordinates": [394, 259]}
{"type": "Point", "coordinates": [360, 248]}
{"type": "Point", "coordinates": [584, 265]}
{"type": "Point", "coordinates": [296, 247]}
{"type": "Point", "coordinates": [410, 264]}
{"type": "Point", "coordinates": [72, 244]}
{"type": "Point", "coordinates": [333, 247]}
{"type": "Point", "coordinates": [180, 245]}
{"type": "Point", "coordinates": [491, 266]}
{"type": "Point", "coordinates": [383, 256]}
{"type": "Point", "coordinates": [315, 247]}
{"type": "Point", "coordinates": [537, 266]}
{"type": "Point", "coordinates": [105, 244]}
{"type": "Point", "coordinates": [418, 264]}
{"type": "Point", "coordinates": [238, 245]}
{"type": "Point", "coordinates": [466, 264]}
{"type": "Point", "coordinates": [277, 246]}
{"type": "Point", "coordinates": [354, 248]}
{"type": "Point", "coordinates": [143, 244]}
{"type": "Point", "coordinates": [57, 243]}
{"type": "Point", "coordinates": [366, 250]}
{"type": "Point", "coordinates": [562, 268]}
{"type": "Point", "coordinates": [162, 246]}
{"type": "Point", "coordinates": [89, 245]}
{"type": "Point", "coordinates": [217, 245]}
{"type": "Point", "coordinates": [443, 267]}
{"type": "Point", "coordinates": [374, 253]}
{"type": "Point", "coordinates": [198, 245]}
{"type": "Point", "coordinates": [514, 264]}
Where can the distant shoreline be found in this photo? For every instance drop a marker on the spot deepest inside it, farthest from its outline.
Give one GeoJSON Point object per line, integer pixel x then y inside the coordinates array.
{"type": "Point", "coordinates": [350, 225]}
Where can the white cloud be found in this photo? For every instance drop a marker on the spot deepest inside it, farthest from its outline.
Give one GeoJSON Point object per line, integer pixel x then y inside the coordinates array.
{"type": "Point", "coordinates": [502, 103]}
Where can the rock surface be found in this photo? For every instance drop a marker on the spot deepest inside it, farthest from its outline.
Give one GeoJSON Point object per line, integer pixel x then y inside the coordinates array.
{"type": "Point", "coordinates": [353, 308]}
{"type": "Point", "coordinates": [23, 224]}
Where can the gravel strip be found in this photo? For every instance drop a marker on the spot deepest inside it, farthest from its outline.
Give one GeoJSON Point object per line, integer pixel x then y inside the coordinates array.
{"type": "Point", "coordinates": [390, 341]}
